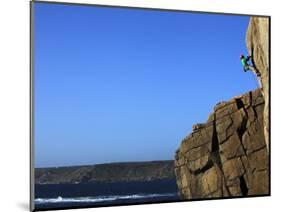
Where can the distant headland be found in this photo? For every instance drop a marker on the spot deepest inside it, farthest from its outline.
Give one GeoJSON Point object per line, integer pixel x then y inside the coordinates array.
{"type": "Point", "coordinates": [109, 172]}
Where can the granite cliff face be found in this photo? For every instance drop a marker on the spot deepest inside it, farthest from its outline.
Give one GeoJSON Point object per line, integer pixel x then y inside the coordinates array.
{"type": "Point", "coordinates": [257, 41]}
{"type": "Point", "coordinates": [228, 155]}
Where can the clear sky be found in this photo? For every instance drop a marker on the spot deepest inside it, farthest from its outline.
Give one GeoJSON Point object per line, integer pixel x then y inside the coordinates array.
{"type": "Point", "coordinates": [116, 84]}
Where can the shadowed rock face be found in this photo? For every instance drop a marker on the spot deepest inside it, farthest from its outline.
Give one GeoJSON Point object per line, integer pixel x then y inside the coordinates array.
{"type": "Point", "coordinates": [227, 155]}
{"type": "Point", "coordinates": [257, 41]}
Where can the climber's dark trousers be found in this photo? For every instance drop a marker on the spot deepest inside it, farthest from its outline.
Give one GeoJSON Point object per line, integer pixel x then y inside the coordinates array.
{"type": "Point", "coordinates": [253, 70]}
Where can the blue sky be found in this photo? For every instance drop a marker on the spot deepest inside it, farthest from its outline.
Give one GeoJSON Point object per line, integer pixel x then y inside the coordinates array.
{"type": "Point", "coordinates": [116, 84]}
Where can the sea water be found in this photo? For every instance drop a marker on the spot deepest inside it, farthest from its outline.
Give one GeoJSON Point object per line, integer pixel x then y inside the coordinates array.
{"type": "Point", "coordinates": [55, 196]}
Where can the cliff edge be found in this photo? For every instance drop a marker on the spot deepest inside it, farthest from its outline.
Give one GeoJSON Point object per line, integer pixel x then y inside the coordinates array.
{"type": "Point", "coordinates": [257, 41]}
{"type": "Point", "coordinates": [228, 155]}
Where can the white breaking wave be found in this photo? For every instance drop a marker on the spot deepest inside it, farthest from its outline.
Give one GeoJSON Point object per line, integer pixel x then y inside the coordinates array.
{"type": "Point", "coordinates": [98, 199]}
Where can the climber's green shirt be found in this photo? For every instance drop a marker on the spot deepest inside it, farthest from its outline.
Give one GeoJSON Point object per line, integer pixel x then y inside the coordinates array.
{"type": "Point", "coordinates": [244, 62]}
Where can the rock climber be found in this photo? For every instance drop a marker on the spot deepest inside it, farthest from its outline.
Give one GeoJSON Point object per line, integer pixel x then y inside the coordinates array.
{"type": "Point", "coordinates": [245, 62]}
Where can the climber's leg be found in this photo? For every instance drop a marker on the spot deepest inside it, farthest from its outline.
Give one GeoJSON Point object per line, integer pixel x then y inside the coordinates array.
{"type": "Point", "coordinates": [254, 70]}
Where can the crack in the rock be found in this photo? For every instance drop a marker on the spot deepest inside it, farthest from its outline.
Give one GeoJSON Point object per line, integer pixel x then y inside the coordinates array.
{"type": "Point", "coordinates": [243, 186]}
{"type": "Point", "coordinates": [226, 131]}
{"type": "Point", "coordinates": [259, 170]}
{"type": "Point", "coordinates": [253, 171]}
{"type": "Point", "coordinates": [226, 115]}
{"type": "Point", "coordinates": [251, 151]}
{"type": "Point", "coordinates": [243, 125]}
{"type": "Point", "coordinates": [208, 165]}
{"type": "Point", "coordinates": [239, 103]}
{"type": "Point", "coordinates": [197, 158]}
{"type": "Point", "coordinates": [251, 98]}
{"type": "Point", "coordinates": [230, 125]}
{"type": "Point", "coordinates": [244, 167]}
{"type": "Point", "coordinates": [226, 139]}
{"type": "Point", "coordinates": [187, 151]}
{"type": "Point", "coordinates": [215, 154]}
{"type": "Point", "coordinates": [236, 153]}
{"type": "Point", "coordinates": [255, 112]}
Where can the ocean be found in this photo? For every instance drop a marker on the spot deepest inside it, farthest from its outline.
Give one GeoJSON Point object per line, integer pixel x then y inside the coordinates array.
{"type": "Point", "coordinates": [56, 196]}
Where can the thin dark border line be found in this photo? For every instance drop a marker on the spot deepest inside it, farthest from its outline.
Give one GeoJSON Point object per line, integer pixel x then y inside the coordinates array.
{"type": "Point", "coordinates": [32, 208]}
{"type": "Point", "coordinates": [144, 8]}
{"type": "Point", "coordinates": [31, 118]}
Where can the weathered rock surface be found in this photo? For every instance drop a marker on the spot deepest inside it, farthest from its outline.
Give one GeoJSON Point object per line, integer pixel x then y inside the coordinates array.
{"type": "Point", "coordinates": [227, 155]}
{"type": "Point", "coordinates": [257, 41]}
